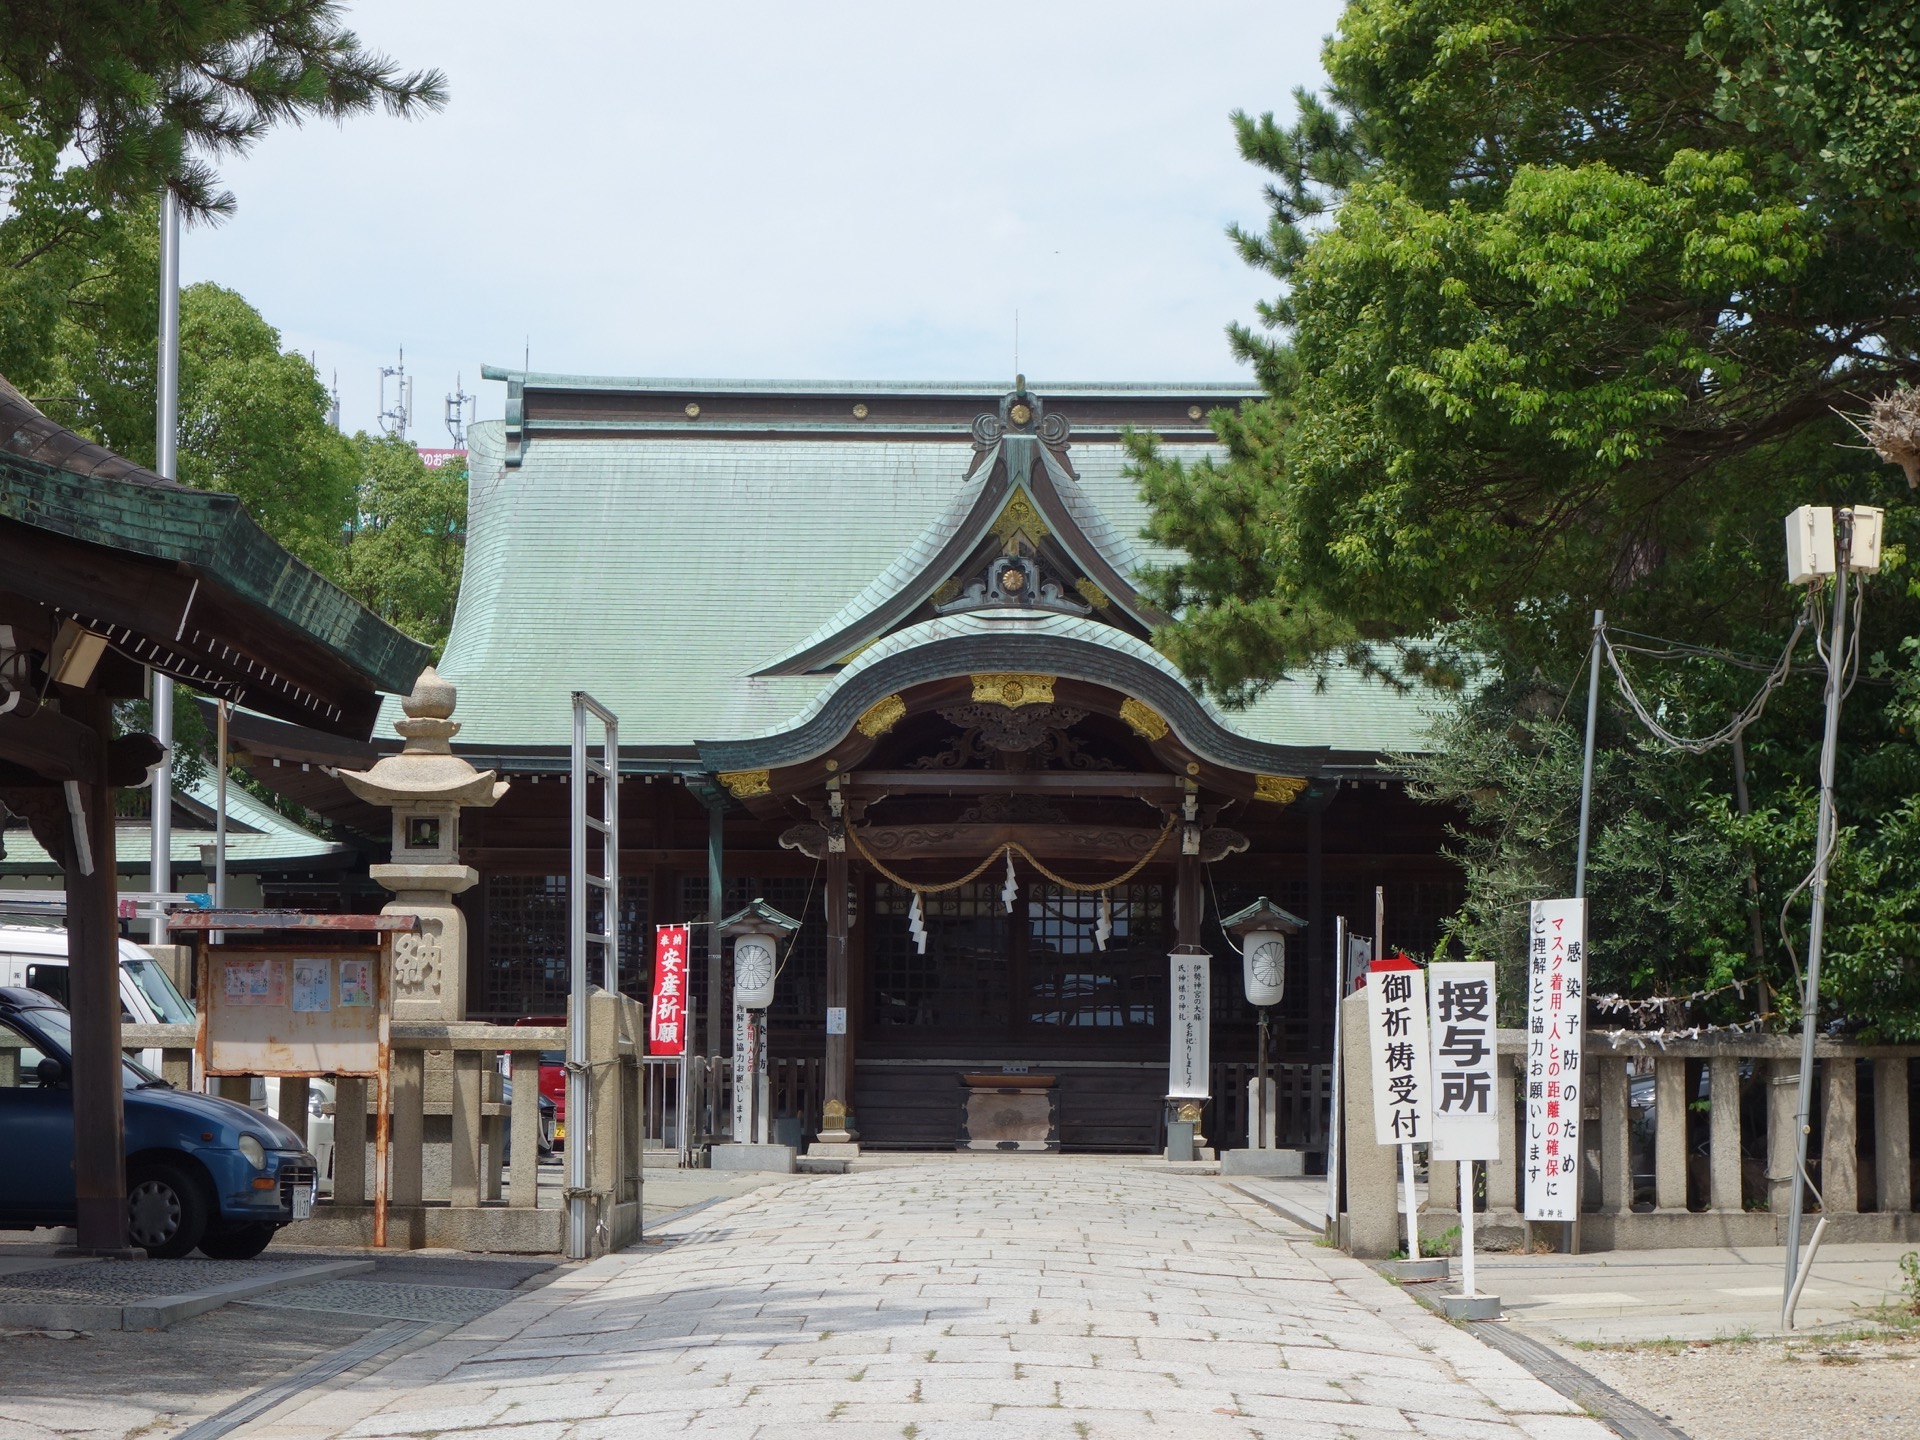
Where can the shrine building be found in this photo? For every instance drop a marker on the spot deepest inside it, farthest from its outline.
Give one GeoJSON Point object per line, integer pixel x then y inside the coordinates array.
{"type": "Point", "coordinates": [880, 658]}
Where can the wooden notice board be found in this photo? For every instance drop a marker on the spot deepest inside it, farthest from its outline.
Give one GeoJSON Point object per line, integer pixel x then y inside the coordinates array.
{"type": "Point", "coordinates": [287, 1010]}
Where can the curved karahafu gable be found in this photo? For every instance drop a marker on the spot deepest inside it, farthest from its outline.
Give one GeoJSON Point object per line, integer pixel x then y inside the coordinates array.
{"type": "Point", "coordinates": [1055, 646]}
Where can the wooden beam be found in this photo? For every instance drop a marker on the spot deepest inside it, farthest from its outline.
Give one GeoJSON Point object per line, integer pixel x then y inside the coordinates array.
{"type": "Point", "coordinates": [906, 843]}
{"type": "Point", "coordinates": [48, 744]}
{"type": "Point", "coordinates": [1154, 788]}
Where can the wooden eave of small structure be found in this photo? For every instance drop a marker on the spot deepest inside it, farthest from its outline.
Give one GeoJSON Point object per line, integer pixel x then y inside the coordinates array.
{"type": "Point", "coordinates": [182, 581]}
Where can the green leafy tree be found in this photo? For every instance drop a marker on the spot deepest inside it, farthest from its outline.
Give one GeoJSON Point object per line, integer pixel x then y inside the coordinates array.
{"type": "Point", "coordinates": [1567, 301]}
{"type": "Point", "coordinates": [148, 95]}
{"type": "Point", "coordinates": [407, 544]}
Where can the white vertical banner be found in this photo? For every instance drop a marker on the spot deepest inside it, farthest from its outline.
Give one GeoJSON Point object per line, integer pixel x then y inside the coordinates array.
{"type": "Point", "coordinates": [1465, 1124]}
{"type": "Point", "coordinates": [743, 1057]}
{"type": "Point", "coordinates": [1188, 1063]}
{"type": "Point", "coordinates": [1402, 1072]}
{"type": "Point", "coordinates": [1556, 1002]}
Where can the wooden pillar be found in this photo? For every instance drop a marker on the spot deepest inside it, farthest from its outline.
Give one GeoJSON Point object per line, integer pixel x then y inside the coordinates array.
{"type": "Point", "coordinates": [1839, 1143]}
{"type": "Point", "coordinates": [93, 934]}
{"type": "Point", "coordinates": [836, 1100]}
{"type": "Point", "coordinates": [1319, 947]}
{"type": "Point", "coordinates": [719, 1003]}
{"type": "Point", "coordinates": [1188, 902]}
{"type": "Point", "coordinates": [1892, 1149]}
{"type": "Point", "coordinates": [1616, 1176]}
{"type": "Point", "coordinates": [1723, 1082]}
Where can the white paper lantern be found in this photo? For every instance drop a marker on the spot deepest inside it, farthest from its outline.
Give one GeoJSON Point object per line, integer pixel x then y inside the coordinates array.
{"type": "Point", "coordinates": [1263, 955]}
{"type": "Point", "coordinates": [754, 963]}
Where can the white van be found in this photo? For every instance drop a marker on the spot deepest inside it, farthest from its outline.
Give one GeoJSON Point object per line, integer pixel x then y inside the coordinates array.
{"type": "Point", "coordinates": [35, 956]}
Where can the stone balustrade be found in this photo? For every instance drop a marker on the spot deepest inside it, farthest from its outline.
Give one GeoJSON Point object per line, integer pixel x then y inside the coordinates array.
{"type": "Point", "coordinates": [1686, 1143]}
{"type": "Point", "coordinates": [452, 1131]}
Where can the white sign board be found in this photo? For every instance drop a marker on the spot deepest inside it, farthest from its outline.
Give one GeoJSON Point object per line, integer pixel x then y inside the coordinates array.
{"type": "Point", "coordinates": [1556, 1001]}
{"type": "Point", "coordinates": [745, 1050]}
{"type": "Point", "coordinates": [1397, 1035]}
{"type": "Point", "coordinates": [1465, 1123]}
{"type": "Point", "coordinates": [836, 1019]}
{"type": "Point", "coordinates": [1188, 1071]}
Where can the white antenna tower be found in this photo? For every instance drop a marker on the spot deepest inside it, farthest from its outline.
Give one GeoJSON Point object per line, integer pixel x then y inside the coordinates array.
{"type": "Point", "coordinates": [400, 417]}
{"type": "Point", "coordinates": [333, 402]}
{"type": "Point", "coordinates": [458, 403]}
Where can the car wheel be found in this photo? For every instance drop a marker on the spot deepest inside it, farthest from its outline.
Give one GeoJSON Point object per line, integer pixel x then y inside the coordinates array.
{"type": "Point", "coordinates": [166, 1211]}
{"type": "Point", "coordinates": [242, 1242]}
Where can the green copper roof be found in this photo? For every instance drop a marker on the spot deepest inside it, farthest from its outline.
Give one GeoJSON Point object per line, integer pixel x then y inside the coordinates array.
{"type": "Point", "coordinates": [659, 572]}
{"type": "Point", "coordinates": [258, 837]}
{"type": "Point", "coordinates": [58, 483]}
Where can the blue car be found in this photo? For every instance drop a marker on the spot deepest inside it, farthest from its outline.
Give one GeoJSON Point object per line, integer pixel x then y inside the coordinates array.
{"type": "Point", "coordinates": [202, 1173]}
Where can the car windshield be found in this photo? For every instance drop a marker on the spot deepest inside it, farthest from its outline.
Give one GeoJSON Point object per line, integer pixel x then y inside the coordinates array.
{"type": "Point", "coordinates": [168, 1003]}
{"type": "Point", "coordinates": [58, 1026]}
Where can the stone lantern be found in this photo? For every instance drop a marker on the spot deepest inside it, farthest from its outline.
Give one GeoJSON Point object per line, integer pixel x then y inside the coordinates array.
{"type": "Point", "coordinates": [426, 786]}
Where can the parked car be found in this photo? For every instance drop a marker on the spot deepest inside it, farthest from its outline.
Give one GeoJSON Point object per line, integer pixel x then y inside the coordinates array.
{"type": "Point", "coordinates": [35, 957]}
{"type": "Point", "coordinates": [202, 1173]}
{"type": "Point", "coordinates": [553, 1079]}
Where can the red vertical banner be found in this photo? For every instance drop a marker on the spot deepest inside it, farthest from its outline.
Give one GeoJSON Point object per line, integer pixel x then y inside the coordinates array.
{"type": "Point", "coordinates": [667, 1021]}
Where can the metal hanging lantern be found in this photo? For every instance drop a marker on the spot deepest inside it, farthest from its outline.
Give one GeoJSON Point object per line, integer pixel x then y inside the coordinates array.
{"type": "Point", "coordinates": [1262, 929]}
{"type": "Point", "coordinates": [757, 933]}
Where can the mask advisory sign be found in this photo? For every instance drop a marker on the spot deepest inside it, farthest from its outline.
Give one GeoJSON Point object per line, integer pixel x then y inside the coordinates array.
{"type": "Point", "coordinates": [1556, 1003]}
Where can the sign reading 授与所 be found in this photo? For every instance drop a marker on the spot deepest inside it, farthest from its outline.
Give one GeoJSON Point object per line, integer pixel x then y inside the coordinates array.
{"type": "Point", "coordinates": [1556, 998]}
{"type": "Point", "coordinates": [1465, 1123]}
{"type": "Point", "coordinates": [1397, 1035]}
{"type": "Point", "coordinates": [1189, 978]}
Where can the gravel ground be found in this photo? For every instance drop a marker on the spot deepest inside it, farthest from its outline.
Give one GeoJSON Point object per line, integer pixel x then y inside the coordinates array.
{"type": "Point", "coordinates": [1812, 1387]}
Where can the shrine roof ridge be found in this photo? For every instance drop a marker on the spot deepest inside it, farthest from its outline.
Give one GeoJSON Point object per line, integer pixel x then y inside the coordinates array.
{"type": "Point", "coordinates": [983, 389]}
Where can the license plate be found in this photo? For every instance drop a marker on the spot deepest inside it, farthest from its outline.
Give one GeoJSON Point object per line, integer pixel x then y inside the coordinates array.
{"type": "Point", "coordinates": [303, 1202]}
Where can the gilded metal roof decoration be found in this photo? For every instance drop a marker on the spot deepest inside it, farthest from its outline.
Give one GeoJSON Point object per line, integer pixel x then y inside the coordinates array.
{"type": "Point", "coordinates": [1279, 789]}
{"type": "Point", "coordinates": [881, 716]}
{"type": "Point", "coordinates": [1092, 593]}
{"type": "Point", "coordinates": [1013, 690]}
{"type": "Point", "coordinates": [1143, 720]}
{"type": "Point", "coordinates": [744, 784]}
{"type": "Point", "coordinates": [1019, 518]}
{"type": "Point", "coordinates": [946, 591]}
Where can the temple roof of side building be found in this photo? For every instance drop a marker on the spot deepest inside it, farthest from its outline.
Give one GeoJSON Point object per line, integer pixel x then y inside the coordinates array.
{"type": "Point", "coordinates": [712, 560]}
{"type": "Point", "coordinates": [258, 838]}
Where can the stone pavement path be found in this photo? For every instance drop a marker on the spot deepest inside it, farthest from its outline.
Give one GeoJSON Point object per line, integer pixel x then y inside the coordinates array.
{"type": "Point", "coordinates": [993, 1298]}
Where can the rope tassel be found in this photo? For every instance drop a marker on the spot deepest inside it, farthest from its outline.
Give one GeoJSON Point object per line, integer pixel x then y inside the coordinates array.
{"type": "Point", "coordinates": [1103, 927]}
{"type": "Point", "coordinates": [1010, 891]}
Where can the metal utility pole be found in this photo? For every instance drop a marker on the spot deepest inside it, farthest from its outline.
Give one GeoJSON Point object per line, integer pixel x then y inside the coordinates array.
{"type": "Point", "coordinates": [1586, 763]}
{"type": "Point", "coordinates": [166, 462]}
{"type": "Point", "coordinates": [1816, 923]}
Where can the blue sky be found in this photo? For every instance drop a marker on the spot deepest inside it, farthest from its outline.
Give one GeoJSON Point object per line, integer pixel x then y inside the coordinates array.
{"type": "Point", "coordinates": [821, 191]}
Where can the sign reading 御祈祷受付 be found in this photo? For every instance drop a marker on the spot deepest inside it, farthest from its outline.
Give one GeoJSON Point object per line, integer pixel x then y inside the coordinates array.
{"type": "Point", "coordinates": [1465, 1126]}
{"type": "Point", "coordinates": [1189, 980]}
{"type": "Point", "coordinates": [667, 1021]}
{"type": "Point", "coordinates": [1397, 1030]}
{"type": "Point", "coordinates": [1556, 1004]}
